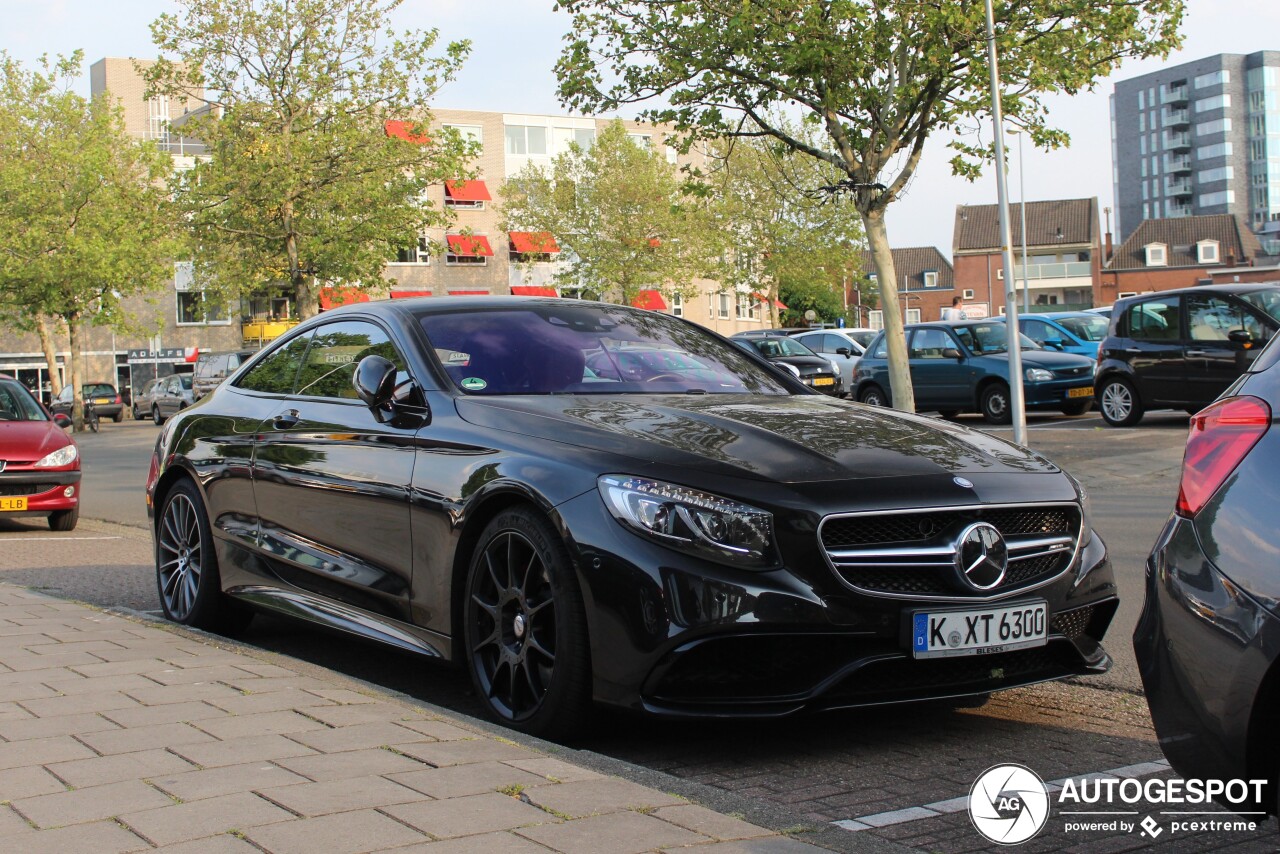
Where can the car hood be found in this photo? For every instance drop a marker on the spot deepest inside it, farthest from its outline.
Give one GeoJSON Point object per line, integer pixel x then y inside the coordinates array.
{"type": "Point", "coordinates": [787, 439]}
{"type": "Point", "coordinates": [28, 441]}
{"type": "Point", "coordinates": [816, 362]}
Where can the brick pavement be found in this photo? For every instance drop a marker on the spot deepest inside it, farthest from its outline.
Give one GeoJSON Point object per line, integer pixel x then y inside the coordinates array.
{"type": "Point", "coordinates": [117, 735]}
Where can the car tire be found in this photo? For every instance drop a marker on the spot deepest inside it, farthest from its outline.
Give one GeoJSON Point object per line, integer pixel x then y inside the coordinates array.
{"type": "Point", "coordinates": [949, 414]}
{"type": "Point", "coordinates": [155, 416]}
{"type": "Point", "coordinates": [873, 395]}
{"type": "Point", "coordinates": [994, 404]}
{"type": "Point", "coordinates": [137, 416]}
{"type": "Point", "coordinates": [64, 520]}
{"type": "Point", "coordinates": [525, 628]}
{"type": "Point", "coordinates": [1079, 407]}
{"type": "Point", "coordinates": [119, 416]}
{"type": "Point", "coordinates": [187, 577]}
{"type": "Point", "coordinates": [1119, 402]}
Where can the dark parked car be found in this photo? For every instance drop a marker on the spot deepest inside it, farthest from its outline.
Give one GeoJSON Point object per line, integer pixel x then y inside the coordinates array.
{"type": "Point", "coordinates": [142, 401]}
{"type": "Point", "coordinates": [817, 372]}
{"type": "Point", "coordinates": [1181, 349]}
{"type": "Point", "coordinates": [1208, 639]}
{"type": "Point", "coordinates": [107, 402]}
{"type": "Point", "coordinates": [401, 471]}
{"type": "Point", "coordinates": [39, 463]}
{"type": "Point", "coordinates": [213, 368]}
{"type": "Point", "coordinates": [964, 367]}
{"type": "Point", "coordinates": [171, 396]}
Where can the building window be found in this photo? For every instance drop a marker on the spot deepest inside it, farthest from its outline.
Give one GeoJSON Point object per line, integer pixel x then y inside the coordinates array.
{"type": "Point", "coordinates": [1207, 252]}
{"type": "Point", "coordinates": [1216, 102]}
{"type": "Point", "coordinates": [1142, 122]}
{"type": "Point", "coordinates": [722, 305]}
{"type": "Point", "coordinates": [930, 278]}
{"type": "Point", "coordinates": [677, 304]}
{"type": "Point", "coordinates": [1218, 126]}
{"type": "Point", "coordinates": [1208, 176]}
{"type": "Point", "coordinates": [913, 315]}
{"type": "Point", "coordinates": [195, 308]}
{"type": "Point", "coordinates": [419, 254]}
{"type": "Point", "coordinates": [1225, 197]}
{"type": "Point", "coordinates": [967, 293]}
{"type": "Point", "coordinates": [1156, 255]}
{"type": "Point", "coordinates": [526, 139]}
{"type": "Point", "coordinates": [643, 140]}
{"type": "Point", "coordinates": [1209, 152]}
{"type": "Point", "coordinates": [875, 319]}
{"type": "Point", "coordinates": [470, 133]}
{"type": "Point", "coordinates": [1217, 78]}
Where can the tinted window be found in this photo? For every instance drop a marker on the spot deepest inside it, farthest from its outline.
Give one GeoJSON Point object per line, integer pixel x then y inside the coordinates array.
{"type": "Point", "coordinates": [17, 404]}
{"type": "Point", "coordinates": [605, 349]}
{"type": "Point", "coordinates": [336, 349]}
{"type": "Point", "coordinates": [881, 348]}
{"type": "Point", "coordinates": [1213, 318]}
{"type": "Point", "coordinates": [863, 337]}
{"type": "Point", "coordinates": [1092, 329]}
{"type": "Point", "coordinates": [98, 390]}
{"type": "Point", "coordinates": [773, 348]}
{"type": "Point", "coordinates": [185, 380]}
{"type": "Point", "coordinates": [929, 344]}
{"type": "Point", "coordinates": [1039, 331]}
{"type": "Point", "coordinates": [1154, 320]}
{"type": "Point", "coordinates": [1266, 300]}
{"type": "Point", "coordinates": [983, 338]}
{"type": "Point", "coordinates": [276, 373]}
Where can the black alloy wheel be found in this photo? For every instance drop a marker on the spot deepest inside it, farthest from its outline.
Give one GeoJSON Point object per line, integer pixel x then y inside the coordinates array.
{"type": "Point", "coordinates": [995, 404]}
{"type": "Point", "coordinates": [526, 637]}
{"type": "Point", "coordinates": [873, 395]}
{"type": "Point", "coordinates": [1119, 402]}
{"type": "Point", "coordinates": [187, 577]}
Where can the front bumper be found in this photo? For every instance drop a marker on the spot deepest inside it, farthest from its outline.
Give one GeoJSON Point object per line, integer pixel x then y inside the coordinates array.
{"type": "Point", "coordinates": [44, 491]}
{"type": "Point", "coordinates": [677, 636]}
{"type": "Point", "coordinates": [1054, 394]}
{"type": "Point", "coordinates": [1204, 649]}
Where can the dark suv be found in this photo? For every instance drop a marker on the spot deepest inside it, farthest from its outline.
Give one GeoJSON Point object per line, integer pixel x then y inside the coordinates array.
{"type": "Point", "coordinates": [1181, 349]}
{"type": "Point", "coordinates": [213, 368]}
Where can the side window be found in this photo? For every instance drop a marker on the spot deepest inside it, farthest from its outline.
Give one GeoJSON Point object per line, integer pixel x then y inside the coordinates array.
{"type": "Point", "coordinates": [335, 351]}
{"type": "Point", "coordinates": [1212, 318]}
{"type": "Point", "coordinates": [929, 344]}
{"type": "Point", "coordinates": [276, 373]}
{"type": "Point", "coordinates": [882, 349]}
{"type": "Point", "coordinates": [1155, 320]}
{"type": "Point", "coordinates": [1038, 331]}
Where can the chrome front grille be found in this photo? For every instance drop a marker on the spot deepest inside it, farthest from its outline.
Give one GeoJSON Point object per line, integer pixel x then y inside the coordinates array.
{"type": "Point", "coordinates": [912, 553]}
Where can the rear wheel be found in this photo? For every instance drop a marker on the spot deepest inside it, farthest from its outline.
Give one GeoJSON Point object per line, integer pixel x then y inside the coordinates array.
{"type": "Point", "coordinates": [187, 577]}
{"type": "Point", "coordinates": [995, 404]}
{"type": "Point", "coordinates": [119, 416]}
{"type": "Point", "coordinates": [525, 625]}
{"type": "Point", "coordinates": [1119, 402]}
{"type": "Point", "coordinates": [873, 395]}
{"type": "Point", "coordinates": [64, 520]}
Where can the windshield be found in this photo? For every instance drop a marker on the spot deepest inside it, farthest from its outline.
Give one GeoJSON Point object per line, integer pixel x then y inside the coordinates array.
{"type": "Point", "coordinates": [97, 390]}
{"type": "Point", "coordinates": [986, 338]}
{"type": "Point", "coordinates": [1091, 328]}
{"type": "Point", "coordinates": [577, 349]}
{"type": "Point", "coordinates": [773, 348]}
{"type": "Point", "coordinates": [1268, 301]}
{"type": "Point", "coordinates": [17, 404]}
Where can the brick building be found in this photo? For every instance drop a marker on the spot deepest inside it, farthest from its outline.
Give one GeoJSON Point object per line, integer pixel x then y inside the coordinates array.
{"type": "Point", "coordinates": [1163, 254]}
{"type": "Point", "coordinates": [926, 284]}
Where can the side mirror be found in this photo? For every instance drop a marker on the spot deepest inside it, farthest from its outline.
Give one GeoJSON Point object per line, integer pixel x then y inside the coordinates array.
{"type": "Point", "coordinates": [952, 353]}
{"type": "Point", "coordinates": [1054, 343]}
{"type": "Point", "coordinates": [375, 382]}
{"type": "Point", "coordinates": [844, 351]}
{"type": "Point", "coordinates": [1239, 336]}
{"type": "Point", "coordinates": [62, 420]}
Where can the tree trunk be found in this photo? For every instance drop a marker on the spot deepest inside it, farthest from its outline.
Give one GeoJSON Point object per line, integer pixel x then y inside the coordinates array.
{"type": "Point", "coordinates": [74, 374]}
{"type": "Point", "coordinates": [50, 356]}
{"type": "Point", "coordinates": [903, 395]}
{"type": "Point", "coordinates": [307, 297]}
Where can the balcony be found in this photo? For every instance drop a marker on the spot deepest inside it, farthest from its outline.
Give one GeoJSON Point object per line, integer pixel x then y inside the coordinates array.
{"type": "Point", "coordinates": [1174, 94]}
{"type": "Point", "coordinates": [1176, 140]}
{"type": "Point", "coordinates": [259, 332]}
{"type": "Point", "coordinates": [540, 275]}
{"type": "Point", "coordinates": [1060, 270]}
{"type": "Point", "coordinates": [1177, 163]}
{"type": "Point", "coordinates": [1174, 117]}
{"type": "Point", "coordinates": [1176, 211]}
{"type": "Point", "coordinates": [1180, 187]}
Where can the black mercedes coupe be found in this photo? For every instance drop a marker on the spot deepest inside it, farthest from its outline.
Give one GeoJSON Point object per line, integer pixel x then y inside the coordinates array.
{"type": "Point", "coordinates": [452, 477]}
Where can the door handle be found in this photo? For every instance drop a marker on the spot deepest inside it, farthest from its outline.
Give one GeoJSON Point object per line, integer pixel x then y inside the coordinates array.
{"type": "Point", "coordinates": [285, 420]}
{"type": "Point", "coordinates": [1134, 350]}
{"type": "Point", "coordinates": [1197, 353]}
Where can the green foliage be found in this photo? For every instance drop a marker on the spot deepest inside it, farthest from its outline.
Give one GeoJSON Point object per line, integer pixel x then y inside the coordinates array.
{"type": "Point", "coordinates": [302, 185]}
{"type": "Point", "coordinates": [621, 216]}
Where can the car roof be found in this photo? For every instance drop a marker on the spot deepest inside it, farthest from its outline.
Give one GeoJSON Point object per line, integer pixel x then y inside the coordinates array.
{"type": "Point", "coordinates": [1233, 288]}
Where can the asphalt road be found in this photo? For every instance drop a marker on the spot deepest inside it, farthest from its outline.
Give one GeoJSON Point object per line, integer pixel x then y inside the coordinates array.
{"type": "Point", "coordinates": [899, 768]}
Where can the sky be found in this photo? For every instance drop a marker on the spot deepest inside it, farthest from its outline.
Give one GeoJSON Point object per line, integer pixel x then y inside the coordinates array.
{"type": "Point", "coordinates": [515, 44]}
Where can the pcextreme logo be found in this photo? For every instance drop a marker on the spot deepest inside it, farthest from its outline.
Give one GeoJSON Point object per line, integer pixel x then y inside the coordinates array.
{"type": "Point", "coordinates": [1009, 804]}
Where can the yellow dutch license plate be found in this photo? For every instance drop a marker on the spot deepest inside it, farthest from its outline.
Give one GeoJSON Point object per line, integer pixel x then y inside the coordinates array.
{"type": "Point", "coordinates": [102, 401]}
{"type": "Point", "coordinates": [13, 504]}
{"type": "Point", "coordinates": [823, 381]}
{"type": "Point", "coordinates": [1080, 392]}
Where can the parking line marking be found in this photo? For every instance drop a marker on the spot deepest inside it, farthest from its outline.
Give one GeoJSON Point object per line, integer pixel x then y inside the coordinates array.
{"type": "Point", "coordinates": [51, 539]}
{"type": "Point", "coordinates": [954, 805]}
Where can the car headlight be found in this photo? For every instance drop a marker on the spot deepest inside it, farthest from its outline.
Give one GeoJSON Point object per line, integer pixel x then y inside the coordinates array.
{"type": "Point", "coordinates": [691, 521]}
{"type": "Point", "coordinates": [64, 456]}
{"type": "Point", "coordinates": [790, 367]}
{"type": "Point", "coordinates": [1038, 375]}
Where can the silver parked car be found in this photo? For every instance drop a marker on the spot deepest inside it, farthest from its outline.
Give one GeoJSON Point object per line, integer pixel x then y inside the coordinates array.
{"type": "Point", "coordinates": [170, 397]}
{"type": "Point", "coordinates": [837, 345]}
{"type": "Point", "coordinates": [142, 400]}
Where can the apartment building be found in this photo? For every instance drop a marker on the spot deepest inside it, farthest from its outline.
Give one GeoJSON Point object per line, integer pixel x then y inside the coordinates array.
{"type": "Point", "coordinates": [1163, 254]}
{"type": "Point", "coordinates": [1200, 138]}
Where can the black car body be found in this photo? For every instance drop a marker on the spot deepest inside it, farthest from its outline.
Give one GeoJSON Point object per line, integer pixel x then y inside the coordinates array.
{"type": "Point", "coordinates": [1208, 639]}
{"type": "Point", "coordinates": [815, 371]}
{"type": "Point", "coordinates": [107, 402]}
{"type": "Point", "coordinates": [1181, 349]}
{"type": "Point", "coordinates": [741, 548]}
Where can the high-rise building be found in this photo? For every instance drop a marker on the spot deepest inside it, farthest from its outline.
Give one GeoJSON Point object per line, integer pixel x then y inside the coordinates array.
{"type": "Point", "coordinates": [1199, 138]}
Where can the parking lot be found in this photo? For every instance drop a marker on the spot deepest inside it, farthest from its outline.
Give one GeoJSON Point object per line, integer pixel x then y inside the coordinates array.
{"type": "Point", "coordinates": [897, 775]}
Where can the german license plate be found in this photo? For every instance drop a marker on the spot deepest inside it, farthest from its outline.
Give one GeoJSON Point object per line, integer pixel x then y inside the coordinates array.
{"type": "Point", "coordinates": [1087, 391]}
{"type": "Point", "coordinates": [824, 381]}
{"type": "Point", "coordinates": [13, 504]}
{"type": "Point", "coordinates": [980, 631]}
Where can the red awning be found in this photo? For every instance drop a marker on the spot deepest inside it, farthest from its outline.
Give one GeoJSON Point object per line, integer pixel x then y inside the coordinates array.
{"type": "Point", "coordinates": [532, 291]}
{"type": "Point", "coordinates": [410, 294]}
{"type": "Point", "coordinates": [649, 300]}
{"type": "Point", "coordinates": [334, 297]}
{"type": "Point", "coordinates": [467, 191]}
{"type": "Point", "coordinates": [533, 242]}
{"type": "Point", "coordinates": [759, 297]}
{"type": "Point", "coordinates": [404, 130]}
{"type": "Point", "coordinates": [475, 245]}
{"type": "Point", "coordinates": [468, 293]}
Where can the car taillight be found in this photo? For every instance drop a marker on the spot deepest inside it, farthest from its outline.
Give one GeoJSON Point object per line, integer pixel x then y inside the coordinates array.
{"type": "Point", "coordinates": [1221, 436]}
{"type": "Point", "coordinates": [119, 400]}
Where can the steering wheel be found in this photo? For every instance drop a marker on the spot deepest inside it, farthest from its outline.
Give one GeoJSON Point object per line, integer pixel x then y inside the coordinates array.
{"type": "Point", "coordinates": [666, 376]}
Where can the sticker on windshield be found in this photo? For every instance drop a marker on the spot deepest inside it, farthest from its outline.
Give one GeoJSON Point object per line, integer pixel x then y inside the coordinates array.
{"type": "Point", "coordinates": [474, 384]}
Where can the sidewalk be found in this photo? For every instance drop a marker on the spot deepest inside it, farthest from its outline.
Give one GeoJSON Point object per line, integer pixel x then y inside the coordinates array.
{"type": "Point", "coordinates": [117, 735]}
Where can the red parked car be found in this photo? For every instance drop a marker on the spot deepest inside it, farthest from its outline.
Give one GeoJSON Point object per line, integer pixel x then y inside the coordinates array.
{"type": "Point", "coordinates": [39, 463]}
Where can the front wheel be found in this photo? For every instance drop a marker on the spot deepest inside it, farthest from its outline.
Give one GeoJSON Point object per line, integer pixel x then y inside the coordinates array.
{"type": "Point", "coordinates": [995, 404]}
{"type": "Point", "coordinates": [156, 416]}
{"type": "Point", "coordinates": [873, 395]}
{"type": "Point", "coordinates": [187, 577]}
{"type": "Point", "coordinates": [64, 520]}
{"type": "Point", "coordinates": [525, 625]}
{"type": "Point", "coordinates": [1119, 402]}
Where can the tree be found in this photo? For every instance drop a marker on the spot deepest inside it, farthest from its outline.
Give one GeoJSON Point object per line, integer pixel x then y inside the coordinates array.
{"type": "Point", "coordinates": [877, 76]}
{"type": "Point", "coordinates": [305, 184]}
{"type": "Point", "coordinates": [621, 214]}
{"type": "Point", "coordinates": [85, 220]}
{"type": "Point", "coordinates": [784, 239]}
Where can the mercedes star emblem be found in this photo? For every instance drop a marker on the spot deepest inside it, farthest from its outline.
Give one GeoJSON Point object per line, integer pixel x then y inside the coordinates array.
{"type": "Point", "coordinates": [981, 556]}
